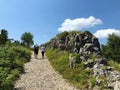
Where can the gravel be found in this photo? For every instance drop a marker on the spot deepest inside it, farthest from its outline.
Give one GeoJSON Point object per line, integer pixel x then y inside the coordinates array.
{"type": "Point", "coordinates": [40, 75]}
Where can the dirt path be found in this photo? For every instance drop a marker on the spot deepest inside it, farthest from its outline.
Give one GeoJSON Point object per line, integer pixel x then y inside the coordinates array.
{"type": "Point", "coordinates": [39, 75]}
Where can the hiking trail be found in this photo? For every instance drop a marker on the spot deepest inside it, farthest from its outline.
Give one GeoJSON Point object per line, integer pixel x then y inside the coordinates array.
{"type": "Point", "coordinates": [40, 75]}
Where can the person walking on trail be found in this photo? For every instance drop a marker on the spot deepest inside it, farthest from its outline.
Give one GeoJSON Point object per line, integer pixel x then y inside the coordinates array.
{"type": "Point", "coordinates": [36, 50]}
{"type": "Point", "coordinates": [42, 51]}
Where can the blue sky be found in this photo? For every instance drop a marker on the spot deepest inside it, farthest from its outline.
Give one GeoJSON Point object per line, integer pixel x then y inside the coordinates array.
{"type": "Point", "coordinates": [46, 18]}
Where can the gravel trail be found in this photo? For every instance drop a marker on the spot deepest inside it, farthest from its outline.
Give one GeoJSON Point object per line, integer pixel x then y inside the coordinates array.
{"type": "Point", "coordinates": [40, 75]}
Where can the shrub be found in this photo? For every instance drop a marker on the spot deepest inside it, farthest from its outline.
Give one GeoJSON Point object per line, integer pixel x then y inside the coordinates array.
{"type": "Point", "coordinates": [12, 59]}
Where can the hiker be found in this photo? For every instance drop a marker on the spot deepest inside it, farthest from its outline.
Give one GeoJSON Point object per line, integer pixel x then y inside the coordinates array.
{"type": "Point", "coordinates": [42, 51]}
{"type": "Point", "coordinates": [36, 50]}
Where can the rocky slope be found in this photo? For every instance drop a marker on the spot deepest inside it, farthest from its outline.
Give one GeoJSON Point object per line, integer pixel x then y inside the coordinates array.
{"type": "Point", "coordinates": [76, 42]}
{"type": "Point", "coordinates": [88, 47]}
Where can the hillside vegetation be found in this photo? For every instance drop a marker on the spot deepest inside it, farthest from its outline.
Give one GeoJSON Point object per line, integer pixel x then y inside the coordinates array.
{"type": "Point", "coordinates": [13, 56]}
{"type": "Point", "coordinates": [60, 61]}
{"type": "Point", "coordinates": [112, 49]}
{"type": "Point", "coordinates": [12, 59]}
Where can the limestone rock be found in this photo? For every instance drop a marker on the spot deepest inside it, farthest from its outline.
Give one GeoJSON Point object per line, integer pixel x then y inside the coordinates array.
{"type": "Point", "coordinates": [117, 85]}
{"type": "Point", "coordinates": [76, 42]}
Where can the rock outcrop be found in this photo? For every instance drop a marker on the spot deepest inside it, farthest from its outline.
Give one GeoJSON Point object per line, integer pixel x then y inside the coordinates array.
{"type": "Point", "coordinates": [76, 42]}
{"type": "Point", "coordinates": [88, 47]}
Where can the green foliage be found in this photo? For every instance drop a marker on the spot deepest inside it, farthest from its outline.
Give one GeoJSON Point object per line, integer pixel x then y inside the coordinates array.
{"type": "Point", "coordinates": [76, 57]}
{"type": "Point", "coordinates": [12, 59]}
{"type": "Point", "coordinates": [3, 36]}
{"type": "Point", "coordinates": [103, 82]}
{"type": "Point", "coordinates": [93, 57]}
{"type": "Point", "coordinates": [27, 39]}
{"type": "Point", "coordinates": [93, 81]}
{"type": "Point", "coordinates": [73, 32]}
{"type": "Point", "coordinates": [114, 64]}
{"type": "Point", "coordinates": [62, 35]}
{"type": "Point", "coordinates": [112, 49]}
{"type": "Point", "coordinates": [60, 61]}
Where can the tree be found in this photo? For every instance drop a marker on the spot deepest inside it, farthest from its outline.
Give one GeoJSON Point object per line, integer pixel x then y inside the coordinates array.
{"type": "Point", "coordinates": [3, 36]}
{"type": "Point", "coordinates": [112, 49]}
{"type": "Point", "coordinates": [27, 39]}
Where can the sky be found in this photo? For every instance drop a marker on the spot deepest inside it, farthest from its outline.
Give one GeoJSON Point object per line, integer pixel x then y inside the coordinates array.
{"type": "Point", "coordinates": [46, 18]}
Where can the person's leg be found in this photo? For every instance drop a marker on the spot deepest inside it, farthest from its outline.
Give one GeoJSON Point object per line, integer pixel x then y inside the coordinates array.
{"type": "Point", "coordinates": [35, 55]}
{"type": "Point", "coordinates": [42, 55]}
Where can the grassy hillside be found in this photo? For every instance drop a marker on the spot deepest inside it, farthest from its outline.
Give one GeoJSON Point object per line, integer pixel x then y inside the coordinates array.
{"type": "Point", "coordinates": [78, 77]}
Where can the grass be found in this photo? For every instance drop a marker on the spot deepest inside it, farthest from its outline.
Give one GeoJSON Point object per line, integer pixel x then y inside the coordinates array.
{"type": "Point", "coordinates": [114, 64]}
{"type": "Point", "coordinates": [60, 61]}
{"type": "Point", "coordinates": [93, 81]}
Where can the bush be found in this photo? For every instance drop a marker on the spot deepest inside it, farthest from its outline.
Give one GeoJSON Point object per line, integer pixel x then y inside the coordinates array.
{"type": "Point", "coordinates": [12, 59]}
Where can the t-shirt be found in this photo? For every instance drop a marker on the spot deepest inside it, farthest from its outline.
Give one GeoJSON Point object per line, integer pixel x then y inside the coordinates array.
{"type": "Point", "coordinates": [36, 47]}
{"type": "Point", "coordinates": [42, 49]}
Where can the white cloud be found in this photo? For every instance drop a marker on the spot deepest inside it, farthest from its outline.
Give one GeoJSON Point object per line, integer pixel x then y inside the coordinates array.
{"type": "Point", "coordinates": [79, 23]}
{"type": "Point", "coordinates": [103, 33]}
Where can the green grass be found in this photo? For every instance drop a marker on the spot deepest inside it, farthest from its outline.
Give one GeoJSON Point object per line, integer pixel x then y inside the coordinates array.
{"type": "Point", "coordinates": [93, 81]}
{"type": "Point", "coordinates": [114, 64]}
{"type": "Point", "coordinates": [60, 61]}
{"type": "Point", "coordinates": [79, 76]}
